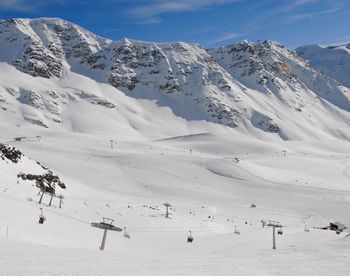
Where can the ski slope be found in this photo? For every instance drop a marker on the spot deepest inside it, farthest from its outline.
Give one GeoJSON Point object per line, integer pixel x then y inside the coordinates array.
{"type": "Point", "coordinates": [308, 186]}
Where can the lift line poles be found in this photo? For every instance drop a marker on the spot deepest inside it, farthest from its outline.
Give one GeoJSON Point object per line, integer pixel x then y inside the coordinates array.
{"type": "Point", "coordinates": [167, 205]}
{"type": "Point", "coordinates": [106, 225]}
{"type": "Point", "coordinates": [61, 197]}
{"type": "Point", "coordinates": [274, 225]}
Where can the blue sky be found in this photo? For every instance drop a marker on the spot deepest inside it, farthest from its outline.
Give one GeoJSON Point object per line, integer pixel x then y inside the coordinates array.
{"type": "Point", "coordinates": [208, 22]}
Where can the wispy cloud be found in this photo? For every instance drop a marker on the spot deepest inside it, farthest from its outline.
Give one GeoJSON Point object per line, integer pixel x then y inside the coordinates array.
{"type": "Point", "coordinates": [222, 38]}
{"type": "Point", "coordinates": [25, 5]}
{"type": "Point", "coordinates": [14, 5]}
{"type": "Point", "coordinates": [147, 20]}
{"type": "Point", "coordinates": [302, 16]}
{"type": "Point", "coordinates": [296, 4]}
{"type": "Point", "coordinates": [155, 8]}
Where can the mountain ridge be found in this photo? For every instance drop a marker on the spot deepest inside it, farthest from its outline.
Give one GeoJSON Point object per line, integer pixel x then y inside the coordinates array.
{"type": "Point", "coordinates": [330, 60]}
{"type": "Point", "coordinates": [252, 86]}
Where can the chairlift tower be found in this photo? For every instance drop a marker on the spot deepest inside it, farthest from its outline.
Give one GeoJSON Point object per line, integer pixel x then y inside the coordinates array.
{"type": "Point", "coordinates": [42, 195]}
{"type": "Point", "coordinates": [61, 197]}
{"type": "Point", "coordinates": [106, 224]}
{"type": "Point", "coordinates": [167, 205]}
{"type": "Point", "coordinates": [51, 197]}
{"type": "Point", "coordinates": [112, 143]}
{"type": "Point", "coordinates": [274, 225]}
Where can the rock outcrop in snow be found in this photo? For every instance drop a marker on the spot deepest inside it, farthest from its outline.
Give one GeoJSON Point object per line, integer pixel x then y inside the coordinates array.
{"type": "Point", "coordinates": [16, 164]}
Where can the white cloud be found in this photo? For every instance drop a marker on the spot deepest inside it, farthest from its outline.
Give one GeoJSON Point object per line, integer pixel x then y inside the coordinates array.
{"type": "Point", "coordinates": [148, 20]}
{"type": "Point", "coordinates": [324, 13]}
{"type": "Point", "coordinates": [224, 37]}
{"type": "Point", "coordinates": [298, 17]}
{"type": "Point", "coordinates": [24, 5]}
{"type": "Point", "coordinates": [296, 3]}
{"type": "Point", "coordinates": [13, 5]}
{"type": "Point", "coordinates": [157, 7]}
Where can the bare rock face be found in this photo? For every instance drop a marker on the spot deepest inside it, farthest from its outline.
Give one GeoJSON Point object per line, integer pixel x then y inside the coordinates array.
{"type": "Point", "coordinates": [37, 61]}
{"type": "Point", "coordinates": [259, 64]}
{"type": "Point", "coordinates": [9, 153]}
{"type": "Point", "coordinates": [265, 123]}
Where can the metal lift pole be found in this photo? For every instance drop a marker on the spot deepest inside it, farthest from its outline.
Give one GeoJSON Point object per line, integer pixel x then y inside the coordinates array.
{"type": "Point", "coordinates": [102, 247]}
{"type": "Point", "coordinates": [274, 225]}
{"type": "Point", "coordinates": [167, 205]}
{"type": "Point", "coordinates": [106, 225]}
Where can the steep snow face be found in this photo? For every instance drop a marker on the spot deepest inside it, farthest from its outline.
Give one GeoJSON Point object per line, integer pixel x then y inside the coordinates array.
{"type": "Point", "coordinates": [176, 70]}
{"type": "Point", "coordinates": [269, 67]}
{"type": "Point", "coordinates": [129, 84]}
{"type": "Point", "coordinates": [333, 60]}
{"type": "Point", "coordinates": [39, 47]}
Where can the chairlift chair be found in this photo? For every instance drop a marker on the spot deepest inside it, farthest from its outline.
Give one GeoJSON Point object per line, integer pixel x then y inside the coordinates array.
{"type": "Point", "coordinates": [190, 237]}
{"type": "Point", "coordinates": [126, 234]}
{"type": "Point", "coordinates": [41, 217]}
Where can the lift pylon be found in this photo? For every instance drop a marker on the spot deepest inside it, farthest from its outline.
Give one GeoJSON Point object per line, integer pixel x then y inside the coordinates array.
{"type": "Point", "coordinates": [106, 224]}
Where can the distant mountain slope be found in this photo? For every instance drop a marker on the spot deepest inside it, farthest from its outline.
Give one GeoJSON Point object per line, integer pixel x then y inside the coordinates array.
{"type": "Point", "coordinates": [332, 60]}
{"type": "Point", "coordinates": [257, 88]}
{"type": "Point", "coordinates": [269, 67]}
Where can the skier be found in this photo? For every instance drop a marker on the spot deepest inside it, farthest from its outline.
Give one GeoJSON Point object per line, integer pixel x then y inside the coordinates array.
{"type": "Point", "coordinates": [190, 237]}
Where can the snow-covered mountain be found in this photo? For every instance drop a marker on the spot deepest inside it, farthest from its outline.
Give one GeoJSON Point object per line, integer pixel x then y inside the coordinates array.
{"type": "Point", "coordinates": [331, 60]}
{"type": "Point", "coordinates": [257, 87]}
{"type": "Point", "coordinates": [130, 125]}
{"type": "Point", "coordinates": [269, 67]}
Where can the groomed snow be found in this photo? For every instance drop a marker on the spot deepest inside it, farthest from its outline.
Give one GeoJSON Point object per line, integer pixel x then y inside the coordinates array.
{"type": "Point", "coordinates": [123, 182]}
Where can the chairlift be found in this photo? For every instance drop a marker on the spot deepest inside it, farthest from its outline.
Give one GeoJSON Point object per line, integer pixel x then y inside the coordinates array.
{"type": "Point", "coordinates": [126, 234]}
{"type": "Point", "coordinates": [236, 232]}
{"type": "Point", "coordinates": [190, 237]}
{"type": "Point", "coordinates": [279, 232]}
{"type": "Point", "coordinates": [41, 217]}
